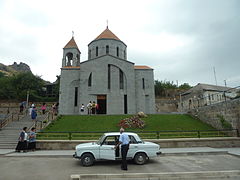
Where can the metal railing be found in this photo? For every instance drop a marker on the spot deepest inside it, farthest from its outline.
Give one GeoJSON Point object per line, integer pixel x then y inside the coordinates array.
{"type": "Point", "coordinates": [9, 118]}
{"type": "Point", "coordinates": [39, 125]}
{"type": "Point", "coordinates": [94, 135]}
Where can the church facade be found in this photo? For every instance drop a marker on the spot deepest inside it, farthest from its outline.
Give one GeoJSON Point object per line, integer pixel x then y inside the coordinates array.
{"type": "Point", "coordinates": [107, 77]}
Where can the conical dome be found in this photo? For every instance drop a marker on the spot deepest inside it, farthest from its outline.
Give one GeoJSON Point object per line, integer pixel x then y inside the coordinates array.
{"type": "Point", "coordinates": [71, 44]}
{"type": "Point", "coordinates": [107, 34]}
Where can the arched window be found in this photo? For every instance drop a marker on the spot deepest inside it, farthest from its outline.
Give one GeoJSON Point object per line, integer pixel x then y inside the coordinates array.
{"type": "Point", "coordinates": [117, 51]}
{"type": "Point", "coordinates": [69, 58]}
{"type": "Point", "coordinates": [97, 51]}
{"type": "Point", "coordinates": [107, 49]}
{"type": "Point", "coordinates": [90, 80]}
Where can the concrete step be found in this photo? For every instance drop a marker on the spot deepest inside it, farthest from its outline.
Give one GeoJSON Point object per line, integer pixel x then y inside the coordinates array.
{"type": "Point", "coordinates": [8, 146]}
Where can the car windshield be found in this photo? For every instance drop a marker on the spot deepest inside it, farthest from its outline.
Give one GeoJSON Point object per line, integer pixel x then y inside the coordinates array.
{"type": "Point", "coordinates": [101, 139]}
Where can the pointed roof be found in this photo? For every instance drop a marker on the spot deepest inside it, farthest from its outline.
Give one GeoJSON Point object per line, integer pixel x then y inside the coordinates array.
{"type": "Point", "coordinates": [107, 34]}
{"type": "Point", "coordinates": [71, 44]}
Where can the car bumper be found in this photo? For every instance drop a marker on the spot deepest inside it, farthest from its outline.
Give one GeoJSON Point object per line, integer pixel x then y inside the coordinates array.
{"type": "Point", "coordinates": [75, 156]}
{"type": "Point", "coordinates": [159, 153]}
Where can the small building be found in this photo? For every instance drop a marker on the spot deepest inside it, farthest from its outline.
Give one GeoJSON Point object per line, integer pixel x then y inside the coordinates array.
{"type": "Point", "coordinates": [203, 95]}
{"type": "Point", "coordinates": [107, 77]}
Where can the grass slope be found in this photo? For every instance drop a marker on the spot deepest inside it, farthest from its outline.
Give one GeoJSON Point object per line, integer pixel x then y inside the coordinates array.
{"type": "Point", "coordinates": [156, 122]}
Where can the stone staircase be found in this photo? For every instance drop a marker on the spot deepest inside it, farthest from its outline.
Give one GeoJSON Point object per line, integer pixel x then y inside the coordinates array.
{"type": "Point", "coordinates": [10, 133]}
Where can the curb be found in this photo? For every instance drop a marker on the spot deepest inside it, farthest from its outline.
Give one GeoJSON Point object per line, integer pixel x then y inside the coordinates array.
{"type": "Point", "coordinates": [165, 176]}
{"type": "Point", "coordinates": [195, 153]}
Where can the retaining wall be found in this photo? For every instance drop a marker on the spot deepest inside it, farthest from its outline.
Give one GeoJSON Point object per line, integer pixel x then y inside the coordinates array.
{"type": "Point", "coordinates": [164, 143]}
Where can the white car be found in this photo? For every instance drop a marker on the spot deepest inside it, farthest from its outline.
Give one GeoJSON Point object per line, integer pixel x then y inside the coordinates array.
{"type": "Point", "coordinates": [104, 149]}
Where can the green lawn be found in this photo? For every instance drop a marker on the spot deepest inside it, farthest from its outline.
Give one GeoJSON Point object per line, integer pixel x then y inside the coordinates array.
{"type": "Point", "coordinates": [157, 122]}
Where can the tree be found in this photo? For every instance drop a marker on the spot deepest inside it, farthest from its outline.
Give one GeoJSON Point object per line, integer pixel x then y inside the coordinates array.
{"type": "Point", "coordinates": [17, 85]}
{"type": "Point", "coordinates": [185, 86]}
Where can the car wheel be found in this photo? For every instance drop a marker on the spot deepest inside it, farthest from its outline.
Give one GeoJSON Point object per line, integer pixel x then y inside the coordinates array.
{"type": "Point", "coordinates": [87, 159]}
{"type": "Point", "coordinates": [140, 158]}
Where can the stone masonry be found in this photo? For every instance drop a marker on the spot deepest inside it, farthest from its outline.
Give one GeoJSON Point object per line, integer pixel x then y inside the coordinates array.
{"type": "Point", "coordinates": [229, 110]}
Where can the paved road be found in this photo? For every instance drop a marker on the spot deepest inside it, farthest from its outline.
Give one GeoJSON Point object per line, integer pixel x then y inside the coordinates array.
{"type": "Point", "coordinates": [59, 165]}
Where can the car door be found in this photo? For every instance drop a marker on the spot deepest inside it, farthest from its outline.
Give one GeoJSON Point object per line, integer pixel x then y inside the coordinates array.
{"type": "Point", "coordinates": [107, 148]}
{"type": "Point", "coordinates": [133, 147]}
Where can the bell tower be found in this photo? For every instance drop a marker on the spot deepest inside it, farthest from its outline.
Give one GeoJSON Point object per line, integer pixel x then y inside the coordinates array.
{"type": "Point", "coordinates": [71, 54]}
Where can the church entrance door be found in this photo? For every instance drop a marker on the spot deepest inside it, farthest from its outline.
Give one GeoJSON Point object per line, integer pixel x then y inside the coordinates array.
{"type": "Point", "coordinates": [102, 104]}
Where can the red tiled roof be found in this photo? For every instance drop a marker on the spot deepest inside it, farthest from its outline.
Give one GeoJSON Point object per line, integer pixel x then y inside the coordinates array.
{"type": "Point", "coordinates": [107, 34]}
{"type": "Point", "coordinates": [142, 67]}
{"type": "Point", "coordinates": [71, 44]}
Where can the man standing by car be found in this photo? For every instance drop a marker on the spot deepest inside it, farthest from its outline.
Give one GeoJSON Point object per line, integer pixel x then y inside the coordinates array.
{"type": "Point", "coordinates": [124, 141]}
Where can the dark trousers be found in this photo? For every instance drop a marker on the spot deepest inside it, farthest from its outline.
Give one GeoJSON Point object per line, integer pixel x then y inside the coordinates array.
{"type": "Point", "coordinates": [124, 151]}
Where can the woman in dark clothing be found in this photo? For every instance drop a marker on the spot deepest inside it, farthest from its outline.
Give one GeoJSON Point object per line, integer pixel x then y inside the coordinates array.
{"type": "Point", "coordinates": [22, 141]}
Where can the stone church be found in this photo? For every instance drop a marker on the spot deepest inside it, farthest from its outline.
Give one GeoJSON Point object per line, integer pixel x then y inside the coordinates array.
{"type": "Point", "coordinates": [107, 77]}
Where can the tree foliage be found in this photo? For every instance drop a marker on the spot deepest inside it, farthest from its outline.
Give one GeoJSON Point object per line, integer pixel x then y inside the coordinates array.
{"type": "Point", "coordinates": [162, 88]}
{"type": "Point", "coordinates": [17, 86]}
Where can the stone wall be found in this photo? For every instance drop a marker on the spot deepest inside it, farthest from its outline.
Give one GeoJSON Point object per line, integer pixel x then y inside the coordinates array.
{"type": "Point", "coordinates": [212, 114]}
{"type": "Point", "coordinates": [166, 105]}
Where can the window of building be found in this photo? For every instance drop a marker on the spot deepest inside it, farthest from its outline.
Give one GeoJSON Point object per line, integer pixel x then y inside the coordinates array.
{"type": "Point", "coordinates": [89, 54]}
{"type": "Point", "coordinates": [97, 51]}
{"type": "Point", "coordinates": [107, 49]}
{"type": "Point", "coordinates": [212, 97]}
{"type": "Point", "coordinates": [125, 56]}
{"type": "Point", "coordinates": [120, 79]}
{"type": "Point", "coordinates": [109, 76]}
{"type": "Point", "coordinates": [117, 51]}
{"type": "Point", "coordinates": [90, 80]}
{"type": "Point", "coordinates": [69, 59]}
{"type": "Point", "coordinates": [76, 97]}
{"type": "Point", "coordinates": [143, 83]}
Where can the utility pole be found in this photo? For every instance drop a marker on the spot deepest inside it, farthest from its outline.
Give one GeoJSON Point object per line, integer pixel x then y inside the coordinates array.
{"type": "Point", "coordinates": [27, 97]}
{"type": "Point", "coordinates": [215, 75]}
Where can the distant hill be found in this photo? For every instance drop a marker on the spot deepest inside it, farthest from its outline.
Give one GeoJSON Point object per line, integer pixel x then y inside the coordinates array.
{"type": "Point", "coordinates": [14, 68]}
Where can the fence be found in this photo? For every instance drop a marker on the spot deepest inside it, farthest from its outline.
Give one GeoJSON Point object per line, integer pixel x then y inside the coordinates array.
{"type": "Point", "coordinates": [142, 134]}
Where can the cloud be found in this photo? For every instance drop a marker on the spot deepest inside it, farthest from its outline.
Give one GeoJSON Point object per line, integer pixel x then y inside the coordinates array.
{"type": "Point", "coordinates": [182, 39]}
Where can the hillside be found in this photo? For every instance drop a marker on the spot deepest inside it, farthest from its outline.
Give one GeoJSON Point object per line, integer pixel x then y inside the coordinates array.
{"type": "Point", "coordinates": [14, 68]}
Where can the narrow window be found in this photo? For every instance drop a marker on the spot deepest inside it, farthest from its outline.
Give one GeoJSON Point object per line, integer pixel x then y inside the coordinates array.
{"type": "Point", "coordinates": [107, 49]}
{"type": "Point", "coordinates": [109, 76]}
{"type": "Point", "coordinates": [90, 80]}
{"type": "Point", "coordinates": [125, 54]}
{"type": "Point", "coordinates": [97, 51]}
{"type": "Point", "coordinates": [143, 83]}
{"type": "Point", "coordinates": [89, 54]}
{"type": "Point", "coordinates": [117, 51]}
{"type": "Point", "coordinates": [125, 104]}
{"type": "Point", "coordinates": [120, 79]}
{"type": "Point", "coordinates": [76, 97]}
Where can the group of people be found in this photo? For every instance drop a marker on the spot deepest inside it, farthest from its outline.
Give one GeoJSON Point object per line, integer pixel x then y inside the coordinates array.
{"type": "Point", "coordinates": [26, 140]}
{"type": "Point", "coordinates": [92, 107]}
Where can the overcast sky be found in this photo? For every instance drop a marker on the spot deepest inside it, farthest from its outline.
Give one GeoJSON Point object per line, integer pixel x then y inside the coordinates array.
{"type": "Point", "coordinates": [183, 40]}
